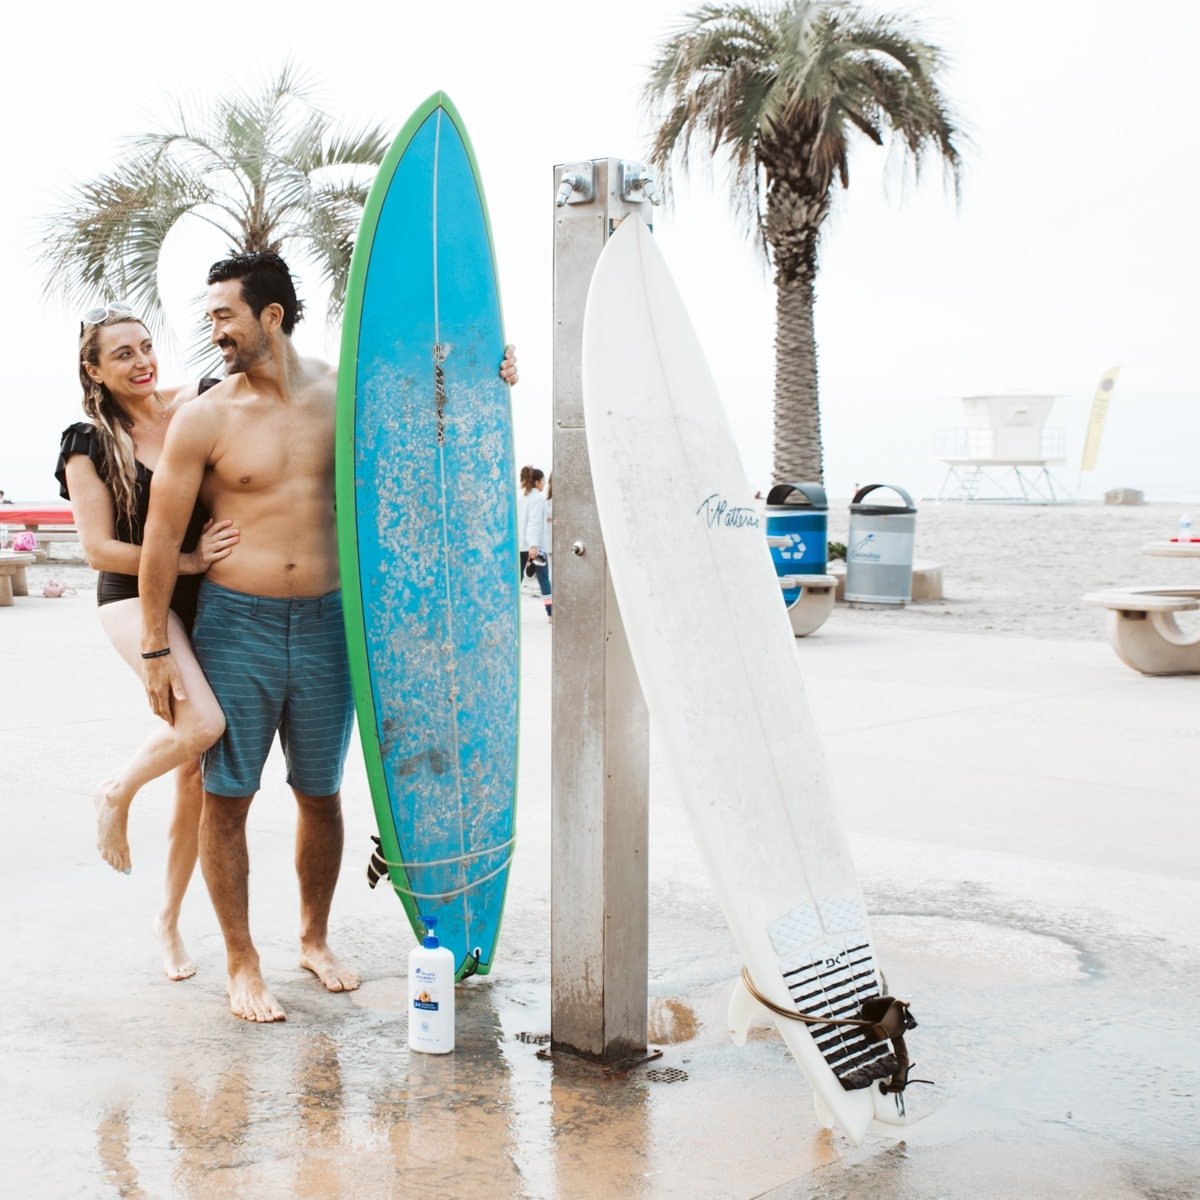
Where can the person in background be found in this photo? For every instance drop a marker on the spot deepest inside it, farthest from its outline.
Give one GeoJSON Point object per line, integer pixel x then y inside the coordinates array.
{"type": "Point", "coordinates": [536, 536]}
{"type": "Point", "coordinates": [548, 548]}
{"type": "Point", "coordinates": [105, 467]}
{"type": "Point", "coordinates": [529, 476]}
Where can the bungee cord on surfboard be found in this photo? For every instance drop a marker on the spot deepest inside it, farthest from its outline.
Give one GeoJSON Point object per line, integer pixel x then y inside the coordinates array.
{"type": "Point", "coordinates": [377, 868]}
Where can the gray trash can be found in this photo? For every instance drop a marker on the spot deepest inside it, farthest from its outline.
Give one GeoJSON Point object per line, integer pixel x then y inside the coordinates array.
{"type": "Point", "coordinates": [879, 548]}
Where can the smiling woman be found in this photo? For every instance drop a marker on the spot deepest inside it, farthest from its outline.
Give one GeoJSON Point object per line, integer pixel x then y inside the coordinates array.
{"type": "Point", "coordinates": [105, 468]}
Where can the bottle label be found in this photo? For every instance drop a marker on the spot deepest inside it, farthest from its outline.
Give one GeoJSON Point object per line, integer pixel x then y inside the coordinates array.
{"type": "Point", "coordinates": [425, 993]}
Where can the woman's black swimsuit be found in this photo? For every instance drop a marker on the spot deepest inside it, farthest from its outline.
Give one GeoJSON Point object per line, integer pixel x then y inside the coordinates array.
{"type": "Point", "coordinates": [83, 438]}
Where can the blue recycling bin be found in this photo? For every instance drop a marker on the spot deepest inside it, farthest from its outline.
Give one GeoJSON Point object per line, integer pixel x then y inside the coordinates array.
{"type": "Point", "coordinates": [798, 531]}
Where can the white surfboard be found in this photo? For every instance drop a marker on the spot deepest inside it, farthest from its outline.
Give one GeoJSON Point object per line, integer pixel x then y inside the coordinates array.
{"type": "Point", "coordinates": [718, 664]}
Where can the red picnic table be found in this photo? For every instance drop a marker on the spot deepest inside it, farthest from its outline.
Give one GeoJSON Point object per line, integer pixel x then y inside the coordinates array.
{"type": "Point", "coordinates": [34, 516]}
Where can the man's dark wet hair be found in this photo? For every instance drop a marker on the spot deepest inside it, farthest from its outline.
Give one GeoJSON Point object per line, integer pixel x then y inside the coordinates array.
{"type": "Point", "coordinates": [265, 279]}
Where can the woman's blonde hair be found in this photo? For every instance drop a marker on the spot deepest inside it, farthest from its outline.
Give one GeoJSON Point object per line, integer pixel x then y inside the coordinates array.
{"type": "Point", "coordinates": [114, 427]}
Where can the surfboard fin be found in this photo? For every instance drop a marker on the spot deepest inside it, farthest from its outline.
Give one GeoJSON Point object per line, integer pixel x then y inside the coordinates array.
{"type": "Point", "coordinates": [377, 867]}
{"type": "Point", "coordinates": [739, 1015]}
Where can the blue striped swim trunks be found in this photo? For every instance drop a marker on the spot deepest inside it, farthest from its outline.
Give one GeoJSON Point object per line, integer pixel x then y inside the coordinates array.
{"type": "Point", "coordinates": [275, 664]}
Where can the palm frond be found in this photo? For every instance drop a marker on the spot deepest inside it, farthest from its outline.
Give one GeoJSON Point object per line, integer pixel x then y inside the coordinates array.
{"type": "Point", "coordinates": [778, 97]}
{"type": "Point", "coordinates": [365, 147]}
{"type": "Point", "coordinates": [784, 90]}
{"type": "Point", "coordinates": [104, 242]}
{"type": "Point", "coordinates": [263, 165]}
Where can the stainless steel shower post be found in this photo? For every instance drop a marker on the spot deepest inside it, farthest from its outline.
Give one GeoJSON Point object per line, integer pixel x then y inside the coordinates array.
{"type": "Point", "coordinates": [599, 739]}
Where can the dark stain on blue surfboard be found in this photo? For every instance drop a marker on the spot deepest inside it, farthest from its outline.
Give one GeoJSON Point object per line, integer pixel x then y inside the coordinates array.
{"type": "Point", "coordinates": [430, 545]}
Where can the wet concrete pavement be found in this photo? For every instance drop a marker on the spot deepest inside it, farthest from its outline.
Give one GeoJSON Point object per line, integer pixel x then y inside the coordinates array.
{"type": "Point", "coordinates": [1024, 814]}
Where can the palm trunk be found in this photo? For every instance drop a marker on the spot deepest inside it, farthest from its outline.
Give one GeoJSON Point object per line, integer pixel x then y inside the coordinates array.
{"type": "Point", "coordinates": [797, 453]}
{"type": "Point", "coordinates": [794, 218]}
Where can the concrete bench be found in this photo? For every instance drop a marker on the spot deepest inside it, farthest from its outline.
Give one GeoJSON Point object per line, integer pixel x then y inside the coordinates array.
{"type": "Point", "coordinates": [926, 580]}
{"type": "Point", "coordinates": [812, 607]}
{"type": "Point", "coordinates": [12, 575]}
{"type": "Point", "coordinates": [55, 535]}
{"type": "Point", "coordinates": [1143, 630]}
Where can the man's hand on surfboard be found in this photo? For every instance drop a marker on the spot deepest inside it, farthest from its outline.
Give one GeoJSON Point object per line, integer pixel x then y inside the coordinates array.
{"type": "Point", "coordinates": [163, 685]}
{"type": "Point", "coordinates": [508, 368]}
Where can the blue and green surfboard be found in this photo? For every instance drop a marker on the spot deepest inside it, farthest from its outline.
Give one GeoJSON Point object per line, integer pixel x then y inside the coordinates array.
{"type": "Point", "coordinates": [426, 515]}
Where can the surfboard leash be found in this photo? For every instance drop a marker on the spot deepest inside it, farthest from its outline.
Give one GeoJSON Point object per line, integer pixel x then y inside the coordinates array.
{"type": "Point", "coordinates": [881, 1019]}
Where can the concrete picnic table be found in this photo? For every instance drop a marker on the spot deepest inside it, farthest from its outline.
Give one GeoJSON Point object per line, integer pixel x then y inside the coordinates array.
{"type": "Point", "coordinates": [12, 575]}
{"type": "Point", "coordinates": [1141, 620]}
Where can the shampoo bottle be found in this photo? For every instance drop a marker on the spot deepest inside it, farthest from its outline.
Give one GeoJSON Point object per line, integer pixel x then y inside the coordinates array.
{"type": "Point", "coordinates": [430, 995]}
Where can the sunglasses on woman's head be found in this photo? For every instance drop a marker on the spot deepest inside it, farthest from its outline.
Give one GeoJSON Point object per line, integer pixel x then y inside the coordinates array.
{"type": "Point", "coordinates": [94, 316]}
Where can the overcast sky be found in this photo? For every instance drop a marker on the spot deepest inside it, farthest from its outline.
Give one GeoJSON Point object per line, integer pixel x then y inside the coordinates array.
{"type": "Point", "coordinates": [1074, 247]}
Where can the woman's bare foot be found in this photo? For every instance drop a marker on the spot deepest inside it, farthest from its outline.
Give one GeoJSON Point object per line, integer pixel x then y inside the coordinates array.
{"type": "Point", "coordinates": [112, 819]}
{"type": "Point", "coordinates": [319, 959]}
{"type": "Point", "coordinates": [250, 1000]}
{"type": "Point", "coordinates": [177, 963]}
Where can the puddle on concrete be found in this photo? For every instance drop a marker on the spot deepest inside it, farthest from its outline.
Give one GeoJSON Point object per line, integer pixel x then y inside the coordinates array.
{"type": "Point", "coordinates": [944, 950]}
{"type": "Point", "coordinates": [381, 996]}
{"type": "Point", "coordinates": [332, 1103]}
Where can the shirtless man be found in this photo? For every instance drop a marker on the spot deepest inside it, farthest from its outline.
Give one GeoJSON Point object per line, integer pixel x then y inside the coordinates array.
{"type": "Point", "coordinates": [258, 449]}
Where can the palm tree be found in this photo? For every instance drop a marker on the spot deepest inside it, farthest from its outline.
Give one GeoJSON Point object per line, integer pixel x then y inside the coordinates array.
{"type": "Point", "coordinates": [781, 92]}
{"type": "Point", "coordinates": [266, 169]}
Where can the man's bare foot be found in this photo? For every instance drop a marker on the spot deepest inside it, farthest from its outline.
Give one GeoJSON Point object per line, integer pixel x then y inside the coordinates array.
{"type": "Point", "coordinates": [250, 1000]}
{"type": "Point", "coordinates": [176, 961]}
{"type": "Point", "coordinates": [112, 818]}
{"type": "Point", "coordinates": [321, 962]}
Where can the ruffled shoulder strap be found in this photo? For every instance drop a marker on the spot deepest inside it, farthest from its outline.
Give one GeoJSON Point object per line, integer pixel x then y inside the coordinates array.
{"type": "Point", "coordinates": [80, 438]}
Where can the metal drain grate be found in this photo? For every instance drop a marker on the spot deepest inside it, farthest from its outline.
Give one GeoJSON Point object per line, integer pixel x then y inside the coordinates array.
{"type": "Point", "coordinates": [666, 1075]}
{"type": "Point", "coordinates": [534, 1039]}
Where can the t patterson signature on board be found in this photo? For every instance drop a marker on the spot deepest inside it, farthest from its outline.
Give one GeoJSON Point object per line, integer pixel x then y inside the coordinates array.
{"type": "Point", "coordinates": [719, 513]}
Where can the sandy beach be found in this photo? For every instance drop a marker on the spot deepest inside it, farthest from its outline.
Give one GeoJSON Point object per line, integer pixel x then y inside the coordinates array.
{"type": "Point", "coordinates": [1022, 808]}
{"type": "Point", "coordinates": [1019, 570]}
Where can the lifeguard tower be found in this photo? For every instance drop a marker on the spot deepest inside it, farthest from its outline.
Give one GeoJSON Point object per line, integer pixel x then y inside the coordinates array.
{"type": "Point", "coordinates": [1004, 453]}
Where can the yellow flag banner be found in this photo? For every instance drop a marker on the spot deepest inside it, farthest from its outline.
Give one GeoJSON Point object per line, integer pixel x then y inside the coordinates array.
{"type": "Point", "coordinates": [1091, 447]}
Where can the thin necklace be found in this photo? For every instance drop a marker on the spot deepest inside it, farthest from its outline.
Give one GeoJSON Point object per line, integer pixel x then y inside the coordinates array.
{"type": "Point", "coordinates": [162, 413]}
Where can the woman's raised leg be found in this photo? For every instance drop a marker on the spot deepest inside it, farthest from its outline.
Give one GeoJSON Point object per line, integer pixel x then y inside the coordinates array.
{"type": "Point", "coordinates": [198, 723]}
